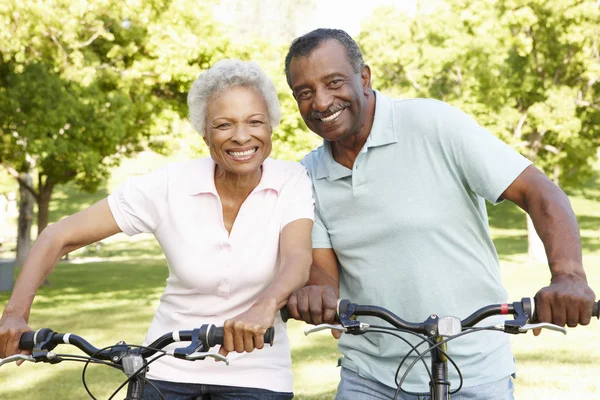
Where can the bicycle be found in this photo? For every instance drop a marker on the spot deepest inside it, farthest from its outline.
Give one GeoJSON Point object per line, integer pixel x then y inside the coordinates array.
{"type": "Point", "coordinates": [131, 359]}
{"type": "Point", "coordinates": [436, 331]}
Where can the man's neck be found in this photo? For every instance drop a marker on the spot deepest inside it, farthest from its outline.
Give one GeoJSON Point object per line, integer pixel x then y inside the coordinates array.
{"type": "Point", "coordinates": [346, 151]}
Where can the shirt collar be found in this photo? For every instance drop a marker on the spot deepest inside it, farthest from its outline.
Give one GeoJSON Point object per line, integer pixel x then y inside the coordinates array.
{"type": "Point", "coordinates": [201, 177]}
{"type": "Point", "coordinates": [382, 133]}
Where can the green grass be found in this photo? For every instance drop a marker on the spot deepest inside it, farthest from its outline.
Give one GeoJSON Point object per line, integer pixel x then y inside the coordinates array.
{"type": "Point", "coordinates": [115, 300]}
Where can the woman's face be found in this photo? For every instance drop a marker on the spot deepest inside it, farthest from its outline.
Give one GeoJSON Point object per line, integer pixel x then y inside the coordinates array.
{"type": "Point", "coordinates": [238, 132]}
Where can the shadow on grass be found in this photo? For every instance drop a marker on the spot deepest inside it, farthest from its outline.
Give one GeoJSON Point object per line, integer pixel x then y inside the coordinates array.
{"type": "Point", "coordinates": [506, 215]}
{"type": "Point", "coordinates": [510, 245]}
{"type": "Point", "coordinates": [68, 199]}
{"type": "Point", "coordinates": [590, 190]}
{"type": "Point", "coordinates": [563, 357]}
{"type": "Point", "coordinates": [129, 280]}
{"type": "Point", "coordinates": [63, 381]}
{"type": "Point", "coordinates": [589, 222]}
{"type": "Point", "coordinates": [319, 396]}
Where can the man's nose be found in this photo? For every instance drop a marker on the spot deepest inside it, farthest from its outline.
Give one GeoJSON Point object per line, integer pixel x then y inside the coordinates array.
{"type": "Point", "coordinates": [322, 100]}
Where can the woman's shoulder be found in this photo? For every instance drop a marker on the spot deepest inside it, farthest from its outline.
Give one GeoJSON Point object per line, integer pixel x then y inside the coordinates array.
{"type": "Point", "coordinates": [289, 168]}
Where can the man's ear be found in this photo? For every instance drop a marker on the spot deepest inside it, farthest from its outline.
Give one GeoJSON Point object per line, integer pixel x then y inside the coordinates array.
{"type": "Point", "coordinates": [365, 76]}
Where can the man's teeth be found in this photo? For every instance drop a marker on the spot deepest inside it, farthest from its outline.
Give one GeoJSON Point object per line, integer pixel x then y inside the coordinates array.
{"type": "Point", "coordinates": [332, 116]}
{"type": "Point", "coordinates": [242, 153]}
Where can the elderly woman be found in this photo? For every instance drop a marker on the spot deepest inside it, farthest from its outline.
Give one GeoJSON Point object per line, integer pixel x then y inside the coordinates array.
{"type": "Point", "coordinates": [235, 229]}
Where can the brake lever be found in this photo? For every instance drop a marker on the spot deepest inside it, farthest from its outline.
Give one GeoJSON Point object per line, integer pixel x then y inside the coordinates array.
{"type": "Point", "coordinates": [15, 358]}
{"type": "Point", "coordinates": [336, 327]}
{"type": "Point", "coordinates": [201, 355]}
{"type": "Point", "coordinates": [546, 325]}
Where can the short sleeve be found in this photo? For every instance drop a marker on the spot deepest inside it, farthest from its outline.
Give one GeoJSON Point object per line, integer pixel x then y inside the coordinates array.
{"type": "Point", "coordinates": [487, 164]}
{"type": "Point", "coordinates": [138, 203]}
{"type": "Point", "coordinates": [320, 235]}
{"type": "Point", "coordinates": [300, 200]}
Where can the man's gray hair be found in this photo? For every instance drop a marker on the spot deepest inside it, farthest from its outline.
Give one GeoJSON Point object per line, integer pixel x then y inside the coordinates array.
{"type": "Point", "coordinates": [226, 74]}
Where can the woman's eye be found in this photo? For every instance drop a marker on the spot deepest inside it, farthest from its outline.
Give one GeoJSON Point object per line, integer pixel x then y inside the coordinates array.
{"type": "Point", "coordinates": [223, 125]}
{"type": "Point", "coordinates": [256, 122]}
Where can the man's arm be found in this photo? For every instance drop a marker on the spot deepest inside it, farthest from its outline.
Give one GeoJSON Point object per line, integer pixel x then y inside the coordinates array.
{"type": "Point", "coordinates": [568, 299]}
{"type": "Point", "coordinates": [316, 303]}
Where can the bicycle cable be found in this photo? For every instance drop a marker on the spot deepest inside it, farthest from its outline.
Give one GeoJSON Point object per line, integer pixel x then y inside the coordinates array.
{"type": "Point", "coordinates": [91, 359]}
{"type": "Point", "coordinates": [438, 344]}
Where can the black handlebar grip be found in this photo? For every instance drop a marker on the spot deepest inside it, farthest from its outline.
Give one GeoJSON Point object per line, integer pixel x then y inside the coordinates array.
{"type": "Point", "coordinates": [26, 342]}
{"type": "Point", "coordinates": [215, 336]}
{"type": "Point", "coordinates": [596, 310]}
{"type": "Point", "coordinates": [285, 314]}
{"type": "Point", "coordinates": [342, 308]}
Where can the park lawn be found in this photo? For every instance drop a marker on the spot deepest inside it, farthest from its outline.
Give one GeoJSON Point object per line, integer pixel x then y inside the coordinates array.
{"type": "Point", "coordinates": [109, 292]}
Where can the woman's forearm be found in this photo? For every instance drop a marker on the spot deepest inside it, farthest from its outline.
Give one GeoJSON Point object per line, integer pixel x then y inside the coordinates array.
{"type": "Point", "coordinates": [43, 256]}
{"type": "Point", "coordinates": [293, 274]}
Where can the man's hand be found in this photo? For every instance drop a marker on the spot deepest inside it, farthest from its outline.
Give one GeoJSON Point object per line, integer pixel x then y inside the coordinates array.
{"type": "Point", "coordinates": [246, 331]}
{"type": "Point", "coordinates": [568, 300]}
{"type": "Point", "coordinates": [11, 329]}
{"type": "Point", "coordinates": [314, 305]}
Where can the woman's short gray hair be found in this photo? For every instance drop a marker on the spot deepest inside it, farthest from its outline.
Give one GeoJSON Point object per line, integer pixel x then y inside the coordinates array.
{"type": "Point", "coordinates": [226, 74]}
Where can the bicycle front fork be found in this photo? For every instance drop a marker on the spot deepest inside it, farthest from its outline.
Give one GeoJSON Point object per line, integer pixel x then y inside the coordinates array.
{"type": "Point", "coordinates": [440, 384]}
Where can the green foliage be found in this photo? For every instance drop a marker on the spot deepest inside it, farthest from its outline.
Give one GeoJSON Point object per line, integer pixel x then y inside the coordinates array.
{"type": "Point", "coordinates": [528, 71]}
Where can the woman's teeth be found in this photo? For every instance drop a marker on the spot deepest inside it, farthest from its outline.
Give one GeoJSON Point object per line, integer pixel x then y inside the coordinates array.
{"type": "Point", "coordinates": [242, 154]}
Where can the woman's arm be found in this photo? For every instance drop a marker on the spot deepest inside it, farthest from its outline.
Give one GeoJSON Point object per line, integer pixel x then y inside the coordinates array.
{"type": "Point", "coordinates": [245, 331]}
{"type": "Point", "coordinates": [88, 226]}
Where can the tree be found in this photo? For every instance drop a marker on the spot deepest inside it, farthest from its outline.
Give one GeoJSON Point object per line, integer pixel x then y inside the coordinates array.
{"type": "Point", "coordinates": [84, 85]}
{"type": "Point", "coordinates": [528, 71]}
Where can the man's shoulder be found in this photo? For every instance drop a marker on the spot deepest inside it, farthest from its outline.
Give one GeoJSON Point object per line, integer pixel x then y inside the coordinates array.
{"type": "Point", "coordinates": [312, 159]}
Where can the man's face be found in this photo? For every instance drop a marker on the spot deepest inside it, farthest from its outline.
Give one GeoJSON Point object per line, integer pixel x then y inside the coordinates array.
{"type": "Point", "coordinates": [331, 97]}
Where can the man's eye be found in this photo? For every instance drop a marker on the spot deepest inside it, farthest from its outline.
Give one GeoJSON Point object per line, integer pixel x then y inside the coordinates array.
{"type": "Point", "coordinates": [335, 82]}
{"type": "Point", "coordinates": [304, 94]}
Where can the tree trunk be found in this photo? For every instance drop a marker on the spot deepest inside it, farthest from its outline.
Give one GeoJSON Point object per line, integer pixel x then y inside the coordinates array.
{"type": "Point", "coordinates": [44, 208]}
{"type": "Point", "coordinates": [44, 204]}
{"type": "Point", "coordinates": [535, 248]}
{"type": "Point", "coordinates": [26, 202]}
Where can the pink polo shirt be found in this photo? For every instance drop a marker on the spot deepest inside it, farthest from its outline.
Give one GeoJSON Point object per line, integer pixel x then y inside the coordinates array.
{"type": "Point", "coordinates": [213, 275]}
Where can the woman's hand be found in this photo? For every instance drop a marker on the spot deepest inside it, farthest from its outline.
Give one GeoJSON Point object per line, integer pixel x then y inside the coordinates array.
{"type": "Point", "coordinates": [245, 332]}
{"type": "Point", "coordinates": [11, 329]}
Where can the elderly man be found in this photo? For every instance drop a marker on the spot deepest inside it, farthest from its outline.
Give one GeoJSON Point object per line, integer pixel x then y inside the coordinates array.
{"type": "Point", "coordinates": [400, 221]}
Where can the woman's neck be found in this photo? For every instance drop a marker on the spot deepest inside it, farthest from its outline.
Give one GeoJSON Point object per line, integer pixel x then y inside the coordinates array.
{"type": "Point", "coordinates": [236, 186]}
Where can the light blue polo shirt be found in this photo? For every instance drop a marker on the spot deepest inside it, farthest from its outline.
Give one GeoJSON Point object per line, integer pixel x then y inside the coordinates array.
{"type": "Point", "coordinates": [410, 230]}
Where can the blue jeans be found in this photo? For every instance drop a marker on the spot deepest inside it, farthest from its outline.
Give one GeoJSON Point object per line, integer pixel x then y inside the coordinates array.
{"type": "Point", "coordinates": [354, 387]}
{"type": "Point", "coordinates": [195, 391]}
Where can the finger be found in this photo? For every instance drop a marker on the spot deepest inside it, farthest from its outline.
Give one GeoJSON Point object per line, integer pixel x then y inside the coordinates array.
{"type": "Point", "coordinates": [248, 341]}
{"type": "Point", "coordinates": [559, 313]}
{"type": "Point", "coordinates": [537, 331]}
{"type": "Point", "coordinates": [222, 352]}
{"type": "Point", "coordinates": [303, 307]}
{"type": "Point", "coordinates": [24, 352]}
{"type": "Point", "coordinates": [227, 336]}
{"type": "Point", "coordinates": [585, 311]}
{"type": "Point", "coordinates": [259, 338]}
{"type": "Point", "coordinates": [316, 309]}
{"type": "Point", "coordinates": [292, 306]}
{"type": "Point", "coordinates": [572, 314]}
{"type": "Point", "coordinates": [329, 306]}
{"type": "Point", "coordinates": [238, 337]}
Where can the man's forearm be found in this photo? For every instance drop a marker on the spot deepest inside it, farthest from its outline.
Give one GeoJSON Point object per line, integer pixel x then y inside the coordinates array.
{"type": "Point", "coordinates": [320, 277]}
{"type": "Point", "coordinates": [556, 224]}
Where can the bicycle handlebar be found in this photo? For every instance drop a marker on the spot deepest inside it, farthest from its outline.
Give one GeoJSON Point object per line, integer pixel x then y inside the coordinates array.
{"type": "Point", "coordinates": [210, 335]}
{"type": "Point", "coordinates": [526, 305]}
